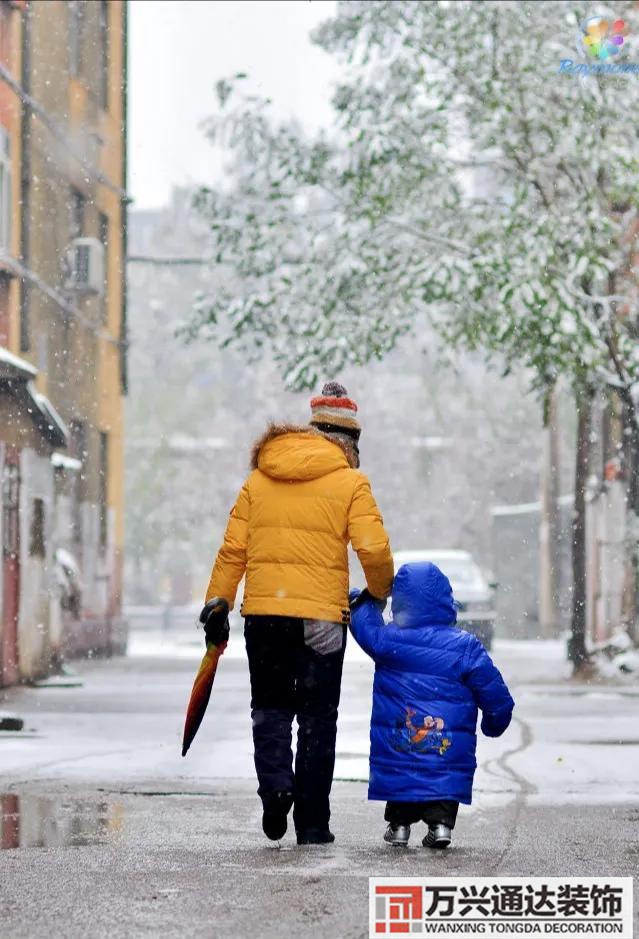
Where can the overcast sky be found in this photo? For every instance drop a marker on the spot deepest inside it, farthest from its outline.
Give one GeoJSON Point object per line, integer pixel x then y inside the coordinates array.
{"type": "Point", "coordinates": [180, 48]}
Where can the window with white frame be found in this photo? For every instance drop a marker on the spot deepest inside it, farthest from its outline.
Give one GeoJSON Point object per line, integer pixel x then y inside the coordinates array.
{"type": "Point", "coordinates": [77, 15]}
{"type": "Point", "coordinates": [5, 191]}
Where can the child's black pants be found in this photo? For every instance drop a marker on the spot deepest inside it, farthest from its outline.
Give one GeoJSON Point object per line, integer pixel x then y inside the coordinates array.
{"type": "Point", "coordinates": [296, 671]}
{"type": "Point", "coordinates": [440, 812]}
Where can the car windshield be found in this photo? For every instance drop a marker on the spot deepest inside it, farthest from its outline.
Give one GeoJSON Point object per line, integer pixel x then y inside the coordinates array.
{"type": "Point", "coordinates": [457, 571]}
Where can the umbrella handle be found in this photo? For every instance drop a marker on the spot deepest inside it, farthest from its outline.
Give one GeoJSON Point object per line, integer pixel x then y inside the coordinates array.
{"type": "Point", "coordinates": [214, 617]}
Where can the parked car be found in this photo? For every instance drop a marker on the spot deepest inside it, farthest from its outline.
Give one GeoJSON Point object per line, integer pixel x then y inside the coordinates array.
{"type": "Point", "coordinates": [472, 591]}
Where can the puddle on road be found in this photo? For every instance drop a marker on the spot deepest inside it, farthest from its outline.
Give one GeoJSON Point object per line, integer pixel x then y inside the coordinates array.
{"type": "Point", "coordinates": [28, 821]}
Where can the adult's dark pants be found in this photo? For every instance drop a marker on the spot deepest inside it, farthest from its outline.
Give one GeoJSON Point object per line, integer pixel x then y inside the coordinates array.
{"type": "Point", "coordinates": [296, 671]}
{"type": "Point", "coordinates": [437, 812]}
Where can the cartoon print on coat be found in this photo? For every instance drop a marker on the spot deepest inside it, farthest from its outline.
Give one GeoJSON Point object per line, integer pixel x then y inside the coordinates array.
{"type": "Point", "coordinates": [427, 737]}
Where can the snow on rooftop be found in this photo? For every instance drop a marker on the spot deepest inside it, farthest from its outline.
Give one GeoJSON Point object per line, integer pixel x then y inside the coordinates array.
{"type": "Point", "coordinates": [15, 362]}
{"type": "Point", "coordinates": [61, 461]}
{"type": "Point", "coordinates": [48, 410]}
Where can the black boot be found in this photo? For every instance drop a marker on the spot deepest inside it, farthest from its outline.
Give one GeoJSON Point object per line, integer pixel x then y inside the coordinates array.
{"type": "Point", "coordinates": [276, 806]}
{"type": "Point", "coordinates": [315, 836]}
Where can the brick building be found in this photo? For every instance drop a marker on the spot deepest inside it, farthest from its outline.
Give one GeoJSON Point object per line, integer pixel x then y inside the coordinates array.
{"type": "Point", "coordinates": [62, 329]}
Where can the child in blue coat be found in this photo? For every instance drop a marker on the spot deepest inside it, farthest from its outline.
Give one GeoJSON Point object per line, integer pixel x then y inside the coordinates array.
{"type": "Point", "coordinates": [430, 679]}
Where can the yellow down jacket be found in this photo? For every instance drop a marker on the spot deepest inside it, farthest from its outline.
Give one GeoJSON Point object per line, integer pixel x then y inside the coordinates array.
{"type": "Point", "coordinates": [290, 528]}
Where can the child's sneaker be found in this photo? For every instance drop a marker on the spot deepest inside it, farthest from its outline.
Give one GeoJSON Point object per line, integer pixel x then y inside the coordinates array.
{"type": "Point", "coordinates": [438, 837]}
{"type": "Point", "coordinates": [397, 836]}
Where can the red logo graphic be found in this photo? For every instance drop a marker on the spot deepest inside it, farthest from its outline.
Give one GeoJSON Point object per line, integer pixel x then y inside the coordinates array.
{"type": "Point", "coordinates": [398, 909]}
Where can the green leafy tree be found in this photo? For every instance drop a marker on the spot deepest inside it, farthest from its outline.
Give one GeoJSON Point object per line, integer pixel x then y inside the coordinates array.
{"type": "Point", "coordinates": [472, 178]}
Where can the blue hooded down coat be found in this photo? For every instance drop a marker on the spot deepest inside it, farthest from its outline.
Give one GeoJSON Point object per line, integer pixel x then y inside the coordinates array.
{"type": "Point", "coordinates": [430, 679]}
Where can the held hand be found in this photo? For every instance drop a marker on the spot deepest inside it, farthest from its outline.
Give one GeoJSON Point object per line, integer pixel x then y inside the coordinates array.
{"type": "Point", "coordinates": [356, 598]}
{"type": "Point", "coordinates": [215, 619]}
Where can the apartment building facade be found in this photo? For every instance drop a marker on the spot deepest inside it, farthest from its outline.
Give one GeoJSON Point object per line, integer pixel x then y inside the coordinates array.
{"type": "Point", "coordinates": [62, 329]}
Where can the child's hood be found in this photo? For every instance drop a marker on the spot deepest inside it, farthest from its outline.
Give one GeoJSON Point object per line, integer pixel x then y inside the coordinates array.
{"type": "Point", "coordinates": [422, 596]}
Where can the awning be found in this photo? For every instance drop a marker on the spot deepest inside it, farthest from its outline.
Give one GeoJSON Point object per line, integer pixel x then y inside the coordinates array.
{"type": "Point", "coordinates": [13, 367]}
{"type": "Point", "coordinates": [48, 419]}
{"type": "Point", "coordinates": [16, 378]}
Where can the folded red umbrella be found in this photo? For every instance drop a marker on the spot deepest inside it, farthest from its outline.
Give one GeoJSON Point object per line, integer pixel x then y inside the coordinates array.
{"type": "Point", "coordinates": [201, 692]}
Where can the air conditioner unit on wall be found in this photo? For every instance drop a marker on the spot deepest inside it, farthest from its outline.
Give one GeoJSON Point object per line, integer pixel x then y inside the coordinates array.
{"type": "Point", "coordinates": [85, 266]}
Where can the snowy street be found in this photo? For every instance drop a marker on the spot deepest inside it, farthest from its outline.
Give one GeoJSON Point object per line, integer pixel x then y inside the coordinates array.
{"type": "Point", "coordinates": [114, 834]}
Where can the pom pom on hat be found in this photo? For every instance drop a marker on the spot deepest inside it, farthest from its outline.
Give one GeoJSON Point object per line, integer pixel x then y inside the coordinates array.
{"type": "Point", "coordinates": [333, 389]}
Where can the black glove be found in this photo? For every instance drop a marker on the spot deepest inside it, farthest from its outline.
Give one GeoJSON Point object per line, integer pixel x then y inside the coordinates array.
{"type": "Point", "coordinates": [215, 619]}
{"type": "Point", "coordinates": [362, 597]}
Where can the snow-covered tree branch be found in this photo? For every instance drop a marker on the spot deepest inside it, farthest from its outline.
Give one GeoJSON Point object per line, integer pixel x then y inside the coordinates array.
{"type": "Point", "coordinates": [474, 181]}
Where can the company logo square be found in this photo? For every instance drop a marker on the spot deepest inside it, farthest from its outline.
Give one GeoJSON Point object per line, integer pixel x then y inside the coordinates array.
{"type": "Point", "coordinates": [399, 910]}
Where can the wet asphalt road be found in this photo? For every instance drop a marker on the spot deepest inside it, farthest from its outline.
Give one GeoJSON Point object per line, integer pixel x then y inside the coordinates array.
{"type": "Point", "coordinates": [108, 833]}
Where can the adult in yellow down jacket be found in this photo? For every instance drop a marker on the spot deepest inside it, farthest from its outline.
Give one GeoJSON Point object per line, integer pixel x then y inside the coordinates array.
{"type": "Point", "coordinates": [290, 527]}
{"type": "Point", "coordinates": [288, 533]}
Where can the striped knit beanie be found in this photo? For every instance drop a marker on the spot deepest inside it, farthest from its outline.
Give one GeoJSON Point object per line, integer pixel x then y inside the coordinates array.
{"type": "Point", "coordinates": [334, 412]}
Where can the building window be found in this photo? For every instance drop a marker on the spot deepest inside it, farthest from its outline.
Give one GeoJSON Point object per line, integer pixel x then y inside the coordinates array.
{"type": "Point", "coordinates": [77, 207]}
{"type": "Point", "coordinates": [104, 508]}
{"type": "Point", "coordinates": [78, 431]}
{"type": "Point", "coordinates": [104, 54]}
{"type": "Point", "coordinates": [5, 191]}
{"type": "Point", "coordinates": [77, 12]}
{"type": "Point", "coordinates": [104, 230]}
{"type": "Point", "coordinates": [36, 540]}
{"type": "Point", "coordinates": [104, 239]}
{"type": "Point", "coordinates": [25, 325]}
{"type": "Point", "coordinates": [11, 510]}
{"type": "Point", "coordinates": [4, 311]}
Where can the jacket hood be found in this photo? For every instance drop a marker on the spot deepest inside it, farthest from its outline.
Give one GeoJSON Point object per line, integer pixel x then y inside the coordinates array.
{"type": "Point", "coordinates": [288, 451]}
{"type": "Point", "coordinates": [422, 596]}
